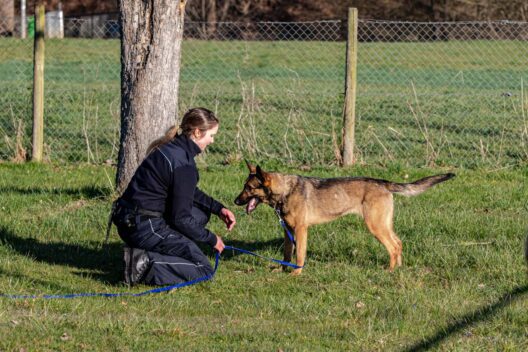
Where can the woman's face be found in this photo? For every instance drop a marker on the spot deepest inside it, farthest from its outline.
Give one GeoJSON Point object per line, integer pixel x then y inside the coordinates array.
{"type": "Point", "coordinates": [203, 139]}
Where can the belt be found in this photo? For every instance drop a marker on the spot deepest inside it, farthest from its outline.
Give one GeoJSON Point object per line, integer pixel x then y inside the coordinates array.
{"type": "Point", "coordinates": [144, 214]}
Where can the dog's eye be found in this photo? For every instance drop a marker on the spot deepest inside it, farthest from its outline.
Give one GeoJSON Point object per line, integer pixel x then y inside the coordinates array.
{"type": "Point", "coordinates": [252, 188]}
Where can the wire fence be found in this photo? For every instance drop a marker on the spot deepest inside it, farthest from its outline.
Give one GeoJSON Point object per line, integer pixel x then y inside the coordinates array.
{"type": "Point", "coordinates": [447, 94]}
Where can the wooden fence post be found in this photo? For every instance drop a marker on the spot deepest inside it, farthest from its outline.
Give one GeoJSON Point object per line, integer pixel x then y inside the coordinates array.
{"type": "Point", "coordinates": [349, 117]}
{"type": "Point", "coordinates": [38, 84]}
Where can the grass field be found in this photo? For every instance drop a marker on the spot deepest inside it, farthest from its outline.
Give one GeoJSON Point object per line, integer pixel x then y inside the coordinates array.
{"type": "Point", "coordinates": [463, 286]}
{"type": "Point", "coordinates": [460, 103]}
{"type": "Point", "coordinates": [422, 108]}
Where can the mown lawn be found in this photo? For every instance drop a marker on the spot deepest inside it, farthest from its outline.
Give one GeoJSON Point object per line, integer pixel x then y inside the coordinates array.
{"type": "Point", "coordinates": [463, 286]}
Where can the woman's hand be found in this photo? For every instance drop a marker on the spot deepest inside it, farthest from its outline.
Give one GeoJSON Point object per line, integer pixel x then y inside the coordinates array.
{"type": "Point", "coordinates": [228, 217]}
{"type": "Point", "coordinates": [219, 246]}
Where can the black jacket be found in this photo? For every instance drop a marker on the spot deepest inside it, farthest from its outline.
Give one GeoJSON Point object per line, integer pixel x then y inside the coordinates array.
{"type": "Point", "coordinates": [166, 181]}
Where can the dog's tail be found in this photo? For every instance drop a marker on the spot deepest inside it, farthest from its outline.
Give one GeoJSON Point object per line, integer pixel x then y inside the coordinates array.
{"type": "Point", "coordinates": [417, 187]}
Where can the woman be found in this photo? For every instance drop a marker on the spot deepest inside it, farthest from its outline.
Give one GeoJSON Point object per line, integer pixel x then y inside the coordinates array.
{"type": "Point", "coordinates": [162, 213]}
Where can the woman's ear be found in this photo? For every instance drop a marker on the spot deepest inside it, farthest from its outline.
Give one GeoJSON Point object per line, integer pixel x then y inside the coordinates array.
{"type": "Point", "coordinates": [197, 134]}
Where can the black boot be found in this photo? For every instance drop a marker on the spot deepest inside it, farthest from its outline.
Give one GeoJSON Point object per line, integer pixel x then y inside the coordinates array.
{"type": "Point", "coordinates": [137, 264]}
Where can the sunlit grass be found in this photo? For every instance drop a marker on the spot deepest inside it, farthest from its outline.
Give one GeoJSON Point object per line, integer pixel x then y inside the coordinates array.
{"type": "Point", "coordinates": [463, 285]}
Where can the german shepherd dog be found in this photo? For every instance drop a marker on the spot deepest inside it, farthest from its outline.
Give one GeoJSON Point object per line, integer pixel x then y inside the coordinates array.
{"type": "Point", "coordinates": [306, 201]}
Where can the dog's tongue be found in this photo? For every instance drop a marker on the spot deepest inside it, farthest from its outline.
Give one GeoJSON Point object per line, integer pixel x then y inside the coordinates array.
{"type": "Point", "coordinates": [252, 204]}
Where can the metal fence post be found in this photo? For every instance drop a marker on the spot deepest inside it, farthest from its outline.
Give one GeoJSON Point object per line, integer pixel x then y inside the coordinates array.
{"type": "Point", "coordinates": [350, 89]}
{"type": "Point", "coordinates": [38, 85]}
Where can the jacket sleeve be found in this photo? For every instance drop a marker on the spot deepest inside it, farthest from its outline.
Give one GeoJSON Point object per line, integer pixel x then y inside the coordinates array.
{"type": "Point", "coordinates": [183, 194]}
{"type": "Point", "coordinates": [207, 202]}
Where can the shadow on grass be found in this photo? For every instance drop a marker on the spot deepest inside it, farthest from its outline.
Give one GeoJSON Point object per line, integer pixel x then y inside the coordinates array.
{"type": "Point", "coordinates": [104, 262]}
{"type": "Point", "coordinates": [89, 192]}
{"type": "Point", "coordinates": [483, 313]}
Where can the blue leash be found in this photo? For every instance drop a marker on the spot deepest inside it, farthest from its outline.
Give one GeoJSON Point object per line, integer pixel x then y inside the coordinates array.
{"type": "Point", "coordinates": [285, 227]}
{"type": "Point", "coordinates": [155, 290]}
{"type": "Point", "coordinates": [281, 262]}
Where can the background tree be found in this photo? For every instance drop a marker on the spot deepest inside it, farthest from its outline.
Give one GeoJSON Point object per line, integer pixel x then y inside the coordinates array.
{"type": "Point", "coordinates": [7, 17]}
{"type": "Point", "coordinates": [308, 10]}
{"type": "Point", "coordinates": [150, 70]}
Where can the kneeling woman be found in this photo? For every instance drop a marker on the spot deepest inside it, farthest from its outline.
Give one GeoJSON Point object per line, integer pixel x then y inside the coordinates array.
{"type": "Point", "coordinates": [162, 213]}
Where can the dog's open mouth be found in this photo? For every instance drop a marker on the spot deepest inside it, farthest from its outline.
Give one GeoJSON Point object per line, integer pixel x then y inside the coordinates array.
{"type": "Point", "coordinates": [252, 204]}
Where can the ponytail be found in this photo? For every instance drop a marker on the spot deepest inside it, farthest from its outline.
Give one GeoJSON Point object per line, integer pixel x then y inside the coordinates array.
{"type": "Point", "coordinates": [169, 135]}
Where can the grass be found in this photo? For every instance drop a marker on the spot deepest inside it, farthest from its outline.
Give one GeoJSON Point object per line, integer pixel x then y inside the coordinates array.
{"type": "Point", "coordinates": [463, 286]}
{"type": "Point", "coordinates": [457, 103]}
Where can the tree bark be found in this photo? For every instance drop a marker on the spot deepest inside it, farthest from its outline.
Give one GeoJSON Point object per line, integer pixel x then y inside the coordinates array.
{"type": "Point", "coordinates": [7, 17]}
{"type": "Point", "coordinates": [151, 39]}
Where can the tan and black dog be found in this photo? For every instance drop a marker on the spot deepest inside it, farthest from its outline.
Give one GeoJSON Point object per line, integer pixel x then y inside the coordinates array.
{"type": "Point", "coordinates": [305, 201]}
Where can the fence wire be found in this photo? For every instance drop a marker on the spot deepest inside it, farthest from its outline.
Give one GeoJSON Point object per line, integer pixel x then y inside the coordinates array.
{"type": "Point", "coordinates": [448, 94]}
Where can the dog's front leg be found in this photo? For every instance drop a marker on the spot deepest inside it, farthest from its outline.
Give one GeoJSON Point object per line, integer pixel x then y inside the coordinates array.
{"type": "Point", "coordinates": [301, 236]}
{"type": "Point", "coordinates": [288, 250]}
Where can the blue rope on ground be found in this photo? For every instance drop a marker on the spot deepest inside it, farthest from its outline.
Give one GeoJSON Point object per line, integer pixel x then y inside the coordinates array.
{"type": "Point", "coordinates": [152, 291]}
{"type": "Point", "coordinates": [266, 258]}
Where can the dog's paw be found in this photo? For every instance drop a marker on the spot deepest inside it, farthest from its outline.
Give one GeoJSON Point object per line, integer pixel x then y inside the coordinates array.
{"type": "Point", "coordinates": [296, 272]}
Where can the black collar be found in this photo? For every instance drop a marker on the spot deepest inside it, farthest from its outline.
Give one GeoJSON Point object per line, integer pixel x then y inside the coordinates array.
{"type": "Point", "coordinates": [187, 144]}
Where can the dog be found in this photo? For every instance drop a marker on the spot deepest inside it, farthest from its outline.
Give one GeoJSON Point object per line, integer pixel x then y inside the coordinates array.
{"type": "Point", "coordinates": [305, 201]}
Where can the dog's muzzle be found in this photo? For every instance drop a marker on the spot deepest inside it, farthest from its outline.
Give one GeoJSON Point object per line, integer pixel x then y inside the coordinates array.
{"type": "Point", "coordinates": [238, 201]}
{"type": "Point", "coordinates": [251, 203]}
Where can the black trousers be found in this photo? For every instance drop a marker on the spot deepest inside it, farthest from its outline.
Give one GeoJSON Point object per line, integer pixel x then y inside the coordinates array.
{"type": "Point", "coordinates": [174, 257]}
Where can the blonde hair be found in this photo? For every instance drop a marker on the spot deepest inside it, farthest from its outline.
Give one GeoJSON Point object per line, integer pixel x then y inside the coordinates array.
{"type": "Point", "coordinates": [195, 118]}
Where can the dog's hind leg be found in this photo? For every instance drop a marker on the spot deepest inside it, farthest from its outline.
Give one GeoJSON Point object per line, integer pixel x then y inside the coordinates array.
{"type": "Point", "coordinates": [399, 246]}
{"type": "Point", "coordinates": [378, 218]}
{"type": "Point", "coordinates": [397, 242]}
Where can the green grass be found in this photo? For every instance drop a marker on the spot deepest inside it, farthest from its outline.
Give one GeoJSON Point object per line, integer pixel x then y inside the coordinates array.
{"type": "Point", "coordinates": [463, 286]}
{"type": "Point", "coordinates": [433, 103]}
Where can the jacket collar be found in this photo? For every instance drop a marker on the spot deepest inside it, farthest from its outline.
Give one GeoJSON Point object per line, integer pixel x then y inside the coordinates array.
{"type": "Point", "coordinates": [187, 144]}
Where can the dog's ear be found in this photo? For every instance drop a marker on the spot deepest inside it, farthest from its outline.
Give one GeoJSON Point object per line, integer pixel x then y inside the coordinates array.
{"type": "Point", "coordinates": [263, 176]}
{"type": "Point", "coordinates": [252, 168]}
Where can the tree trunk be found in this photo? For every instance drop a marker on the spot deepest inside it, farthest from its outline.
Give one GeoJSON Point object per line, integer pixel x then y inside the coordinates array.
{"type": "Point", "coordinates": [7, 18]}
{"type": "Point", "coordinates": [211, 18]}
{"type": "Point", "coordinates": [151, 39]}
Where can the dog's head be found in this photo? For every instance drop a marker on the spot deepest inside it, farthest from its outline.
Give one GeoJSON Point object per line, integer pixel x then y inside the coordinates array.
{"type": "Point", "coordinates": [256, 188]}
